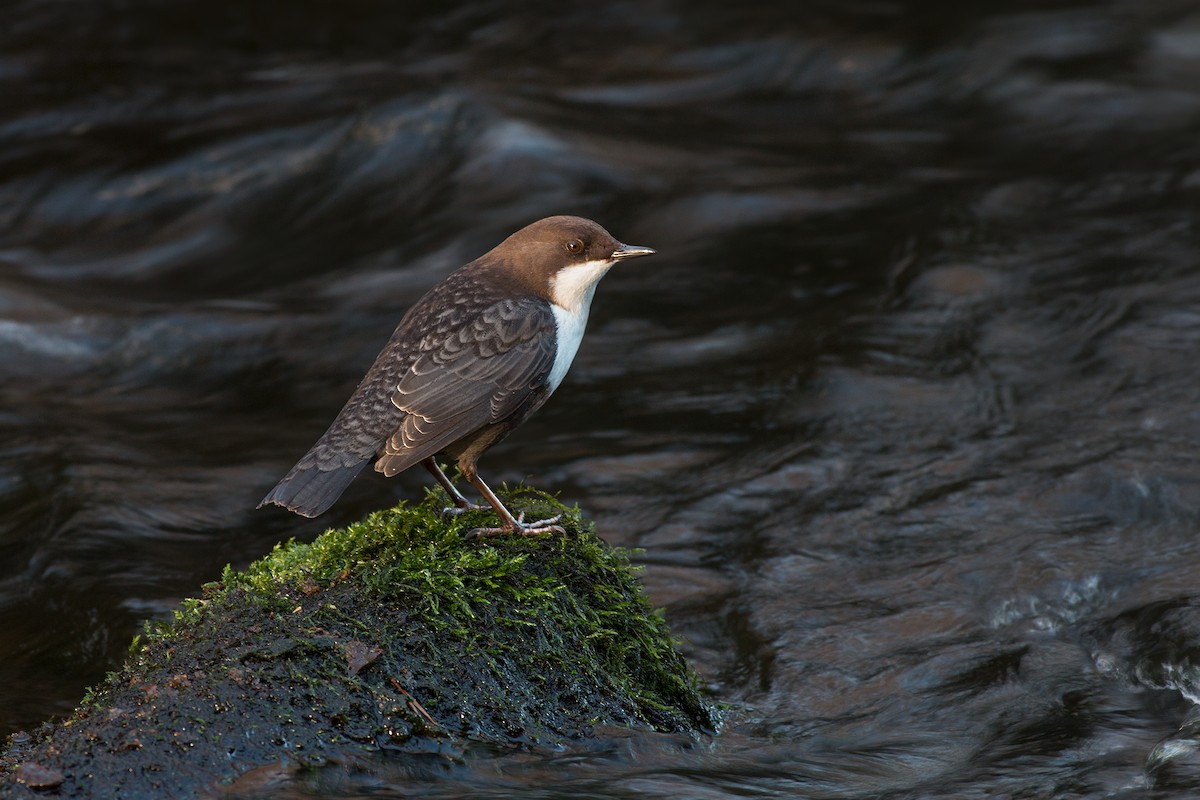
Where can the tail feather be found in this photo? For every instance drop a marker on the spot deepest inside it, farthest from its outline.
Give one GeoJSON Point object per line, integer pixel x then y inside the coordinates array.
{"type": "Point", "coordinates": [311, 490]}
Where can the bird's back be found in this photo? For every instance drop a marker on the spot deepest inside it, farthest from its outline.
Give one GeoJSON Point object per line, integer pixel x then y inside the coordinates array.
{"type": "Point", "coordinates": [368, 420]}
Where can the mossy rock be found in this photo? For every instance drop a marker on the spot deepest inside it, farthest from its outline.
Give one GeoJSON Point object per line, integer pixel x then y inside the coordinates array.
{"type": "Point", "coordinates": [395, 633]}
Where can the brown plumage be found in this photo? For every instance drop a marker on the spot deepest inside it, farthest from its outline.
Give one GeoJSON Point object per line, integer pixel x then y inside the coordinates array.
{"type": "Point", "coordinates": [468, 363]}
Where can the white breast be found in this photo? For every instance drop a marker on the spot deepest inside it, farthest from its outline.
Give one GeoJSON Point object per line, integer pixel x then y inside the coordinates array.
{"type": "Point", "coordinates": [571, 292]}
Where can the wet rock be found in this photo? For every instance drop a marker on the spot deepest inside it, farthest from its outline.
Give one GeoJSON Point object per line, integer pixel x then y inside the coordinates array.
{"type": "Point", "coordinates": [36, 776]}
{"type": "Point", "coordinates": [416, 640]}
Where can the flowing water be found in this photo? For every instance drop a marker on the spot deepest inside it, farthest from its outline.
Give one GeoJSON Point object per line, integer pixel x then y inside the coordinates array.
{"type": "Point", "coordinates": [905, 415]}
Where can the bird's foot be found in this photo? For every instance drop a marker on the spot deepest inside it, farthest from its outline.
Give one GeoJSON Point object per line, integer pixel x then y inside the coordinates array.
{"type": "Point", "coordinates": [524, 528]}
{"type": "Point", "coordinates": [454, 511]}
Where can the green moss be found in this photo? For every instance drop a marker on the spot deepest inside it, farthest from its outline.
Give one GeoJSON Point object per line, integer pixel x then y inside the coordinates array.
{"type": "Point", "coordinates": [576, 597]}
{"type": "Point", "coordinates": [409, 554]}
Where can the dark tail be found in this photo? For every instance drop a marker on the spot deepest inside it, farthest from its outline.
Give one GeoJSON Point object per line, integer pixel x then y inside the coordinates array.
{"type": "Point", "coordinates": [310, 490]}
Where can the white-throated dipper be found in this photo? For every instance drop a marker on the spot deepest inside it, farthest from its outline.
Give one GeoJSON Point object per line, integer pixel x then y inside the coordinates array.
{"type": "Point", "coordinates": [468, 363]}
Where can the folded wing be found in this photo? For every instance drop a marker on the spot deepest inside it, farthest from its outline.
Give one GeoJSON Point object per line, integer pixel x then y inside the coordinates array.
{"type": "Point", "coordinates": [471, 377]}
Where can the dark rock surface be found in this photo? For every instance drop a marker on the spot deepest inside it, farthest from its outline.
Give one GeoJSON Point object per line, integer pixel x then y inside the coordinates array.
{"type": "Point", "coordinates": [398, 633]}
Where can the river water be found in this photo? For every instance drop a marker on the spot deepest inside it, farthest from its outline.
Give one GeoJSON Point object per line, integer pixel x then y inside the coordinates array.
{"type": "Point", "coordinates": [905, 414]}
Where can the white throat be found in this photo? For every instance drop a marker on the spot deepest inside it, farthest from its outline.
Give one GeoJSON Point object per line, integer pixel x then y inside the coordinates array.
{"type": "Point", "coordinates": [571, 292]}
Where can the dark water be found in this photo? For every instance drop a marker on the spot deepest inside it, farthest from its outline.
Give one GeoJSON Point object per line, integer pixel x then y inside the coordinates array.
{"type": "Point", "coordinates": [906, 414]}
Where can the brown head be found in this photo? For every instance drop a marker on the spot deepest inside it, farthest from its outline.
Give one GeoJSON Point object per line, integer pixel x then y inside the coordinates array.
{"type": "Point", "coordinates": [560, 258]}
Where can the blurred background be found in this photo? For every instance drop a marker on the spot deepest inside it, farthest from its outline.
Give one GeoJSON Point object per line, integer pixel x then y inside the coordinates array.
{"type": "Point", "coordinates": [905, 414]}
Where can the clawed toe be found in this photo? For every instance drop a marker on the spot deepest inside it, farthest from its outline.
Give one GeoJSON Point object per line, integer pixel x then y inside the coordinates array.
{"type": "Point", "coordinates": [541, 526]}
{"type": "Point", "coordinates": [524, 528]}
{"type": "Point", "coordinates": [454, 511]}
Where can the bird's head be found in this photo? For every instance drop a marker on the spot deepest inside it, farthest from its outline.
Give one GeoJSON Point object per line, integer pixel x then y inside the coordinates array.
{"type": "Point", "coordinates": [564, 258]}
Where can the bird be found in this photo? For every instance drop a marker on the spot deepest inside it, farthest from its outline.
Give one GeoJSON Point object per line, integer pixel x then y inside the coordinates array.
{"type": "Point", "coordinates": [469, 362]}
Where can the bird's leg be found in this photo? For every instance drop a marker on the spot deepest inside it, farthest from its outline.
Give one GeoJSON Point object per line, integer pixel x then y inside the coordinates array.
{"type": "Point", "coordinates": [461, 503]}
{"type": "Point", "coordinates": [511, 524]}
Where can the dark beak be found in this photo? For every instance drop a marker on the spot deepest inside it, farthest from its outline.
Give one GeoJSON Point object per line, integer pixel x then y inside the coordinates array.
{"type": "Point", "coordinates": [630, 250]}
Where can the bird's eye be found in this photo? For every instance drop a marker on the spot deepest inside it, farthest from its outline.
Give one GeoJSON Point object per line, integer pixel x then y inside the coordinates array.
{"type": "Point", "coordinates": [575, 246]}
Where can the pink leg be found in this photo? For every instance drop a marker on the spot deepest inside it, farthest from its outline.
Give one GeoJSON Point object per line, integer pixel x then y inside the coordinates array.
{"type": "Point", "coordinates": [461, 503]}
{"type": "Point", "coordinates": [511, 524]}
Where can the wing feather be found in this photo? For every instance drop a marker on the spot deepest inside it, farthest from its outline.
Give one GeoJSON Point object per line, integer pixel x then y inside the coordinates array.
{"type": "Point", "coordinates": [465, 379]}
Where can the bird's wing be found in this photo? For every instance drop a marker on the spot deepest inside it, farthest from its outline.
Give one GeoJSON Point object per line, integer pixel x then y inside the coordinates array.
{"type": "Point", "coordinates": [474, 374]}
